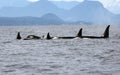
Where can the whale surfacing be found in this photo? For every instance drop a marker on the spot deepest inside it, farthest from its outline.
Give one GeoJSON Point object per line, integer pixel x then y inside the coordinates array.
{"type": "Point", "coordinates": [32, 37]}
{"type": "Point", "coordinates": [48, 36]}
{"type": "Point", "coordinates": [105, 35]}
{"type": "Point", "coordinates": [79, 35]}
{"type": "Point", "coordinates": [18, 36]}
{"type": "Point", "coordinates": [29, 37]}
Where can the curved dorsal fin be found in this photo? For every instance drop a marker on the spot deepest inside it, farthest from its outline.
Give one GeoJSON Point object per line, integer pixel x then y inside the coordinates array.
{"type": "Point", "coordinates": [79, 33]}
{"type": "Point", "coordinates": [106, 33]}
{"type": "Point", "coordinates": [18, 36]}
{"type": "Point", "coordinates": [48, 36]}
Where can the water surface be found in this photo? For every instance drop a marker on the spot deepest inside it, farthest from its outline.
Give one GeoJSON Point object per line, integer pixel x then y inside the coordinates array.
{"type": "Point", "coordinates": [59, 57]}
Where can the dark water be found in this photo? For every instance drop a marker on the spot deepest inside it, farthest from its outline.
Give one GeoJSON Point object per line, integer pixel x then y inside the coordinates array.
{"type": "Point", "coordinates": [59, 57]}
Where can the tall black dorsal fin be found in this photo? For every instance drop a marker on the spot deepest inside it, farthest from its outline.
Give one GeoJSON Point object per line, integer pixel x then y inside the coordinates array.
{"type": "Point", "coordinates": [79, 33]}
{"type": "Point", "coordinates": [48, 36]}
{"type": "Point", "coordinates": [106, 33]}
{"type": "Point", "coordinates": [18, 36]}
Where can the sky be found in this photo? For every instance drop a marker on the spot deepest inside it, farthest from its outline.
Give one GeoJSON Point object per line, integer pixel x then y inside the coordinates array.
{"type": "Point", "coordinates": [111, 5]}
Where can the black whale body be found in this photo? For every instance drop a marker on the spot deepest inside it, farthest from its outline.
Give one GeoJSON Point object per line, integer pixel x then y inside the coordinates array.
{"type": "Point", "coordinates": [29, 37]}
{"type": "Point", "coordinates": [79, 35]}
{"type": "Point", "coordinates": [106, 35]}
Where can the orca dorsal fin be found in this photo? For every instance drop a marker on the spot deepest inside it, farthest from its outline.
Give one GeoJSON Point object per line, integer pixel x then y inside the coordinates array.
{"type": "Point", "coordinates": [18, 36]}
{"type": "Point", "coordinates": [79, 33]}
{"type": "Point", "coordinates": [48, 36]}
{"type": "Point", "coordinates": [106, 33]}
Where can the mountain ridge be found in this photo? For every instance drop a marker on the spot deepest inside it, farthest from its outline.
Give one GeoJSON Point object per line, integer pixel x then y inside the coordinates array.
{"type": "Point", "coordinates": [44, 20]}
{"type": "Point", "coordinates": [86, 11]}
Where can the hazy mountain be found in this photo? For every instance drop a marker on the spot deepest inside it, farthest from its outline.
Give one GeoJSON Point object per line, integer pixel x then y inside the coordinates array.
{"type": "Point", "coordinates": [51, 19]}
{"type": "Point", "coordinates": [19, 20]}
{"type": "Point", "coordinates": [116, 19]}
{"type": "Point", "coordinates": [84, 12]}
{"type": "Point", "coordinates": [47, 19]}
{"type": "Point", "coordinates": [36, 9]}
{"type": "Point", "coordinates": [91, 11]}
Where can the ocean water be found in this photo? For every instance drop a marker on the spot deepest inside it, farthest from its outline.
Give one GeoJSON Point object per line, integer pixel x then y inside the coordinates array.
{"type": "Point", "coordinates": [59, 56]}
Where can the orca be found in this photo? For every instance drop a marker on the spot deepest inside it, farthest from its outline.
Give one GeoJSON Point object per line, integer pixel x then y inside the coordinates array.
{"type": "Point", "coordinates": [18, 36]}
{"type": "Point", "coordinates": [32, 37]}
{"type": "Point", "coordinates": [72, 37]}
{"type": "Point", "coordinates": [29, 37]}
{"type": "Point", "coordinates": [105, 35]}
{"type": "Point", "coordinates": [68, 37]}
{"type": "Point", "coordinates": [48, 36]}
{"type": "Point", "coordinates": [79, 35]}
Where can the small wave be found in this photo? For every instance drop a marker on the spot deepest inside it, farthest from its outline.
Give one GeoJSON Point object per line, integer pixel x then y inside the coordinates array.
{"type": "Point", "coordinates": [16, 54]}
{"type": "Point", "coordinates": [12, 65]}
{"type": "Point", "coordinates": [59, 54]}
{"type": "Point", "coordinates": [56, 66]}
{"type": "Point", "coordinates": [109, 51]}
{"type": "Point", "coordinates": [26, 66]}
{"type": "Point", "coordinates": [7, 71]}
{"type": "Point", "coordinates": [5, 42]}
{"type": "Point", "coordinates": [44, 70]}
{"type": "Point", "coordinates": [19, 66]}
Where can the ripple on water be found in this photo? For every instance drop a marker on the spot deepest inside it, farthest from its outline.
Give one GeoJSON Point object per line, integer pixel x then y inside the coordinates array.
{"type": "Point", "coordinates": [44, 70]}
{"type": "Point", "coordinates": [56, 66]}
{"type": "Point", "coordinates": [5, 42]}
{"type": "Point", "coordinates": [59, 57]}
{"type": "Point", "coordinates": [9, 71]}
